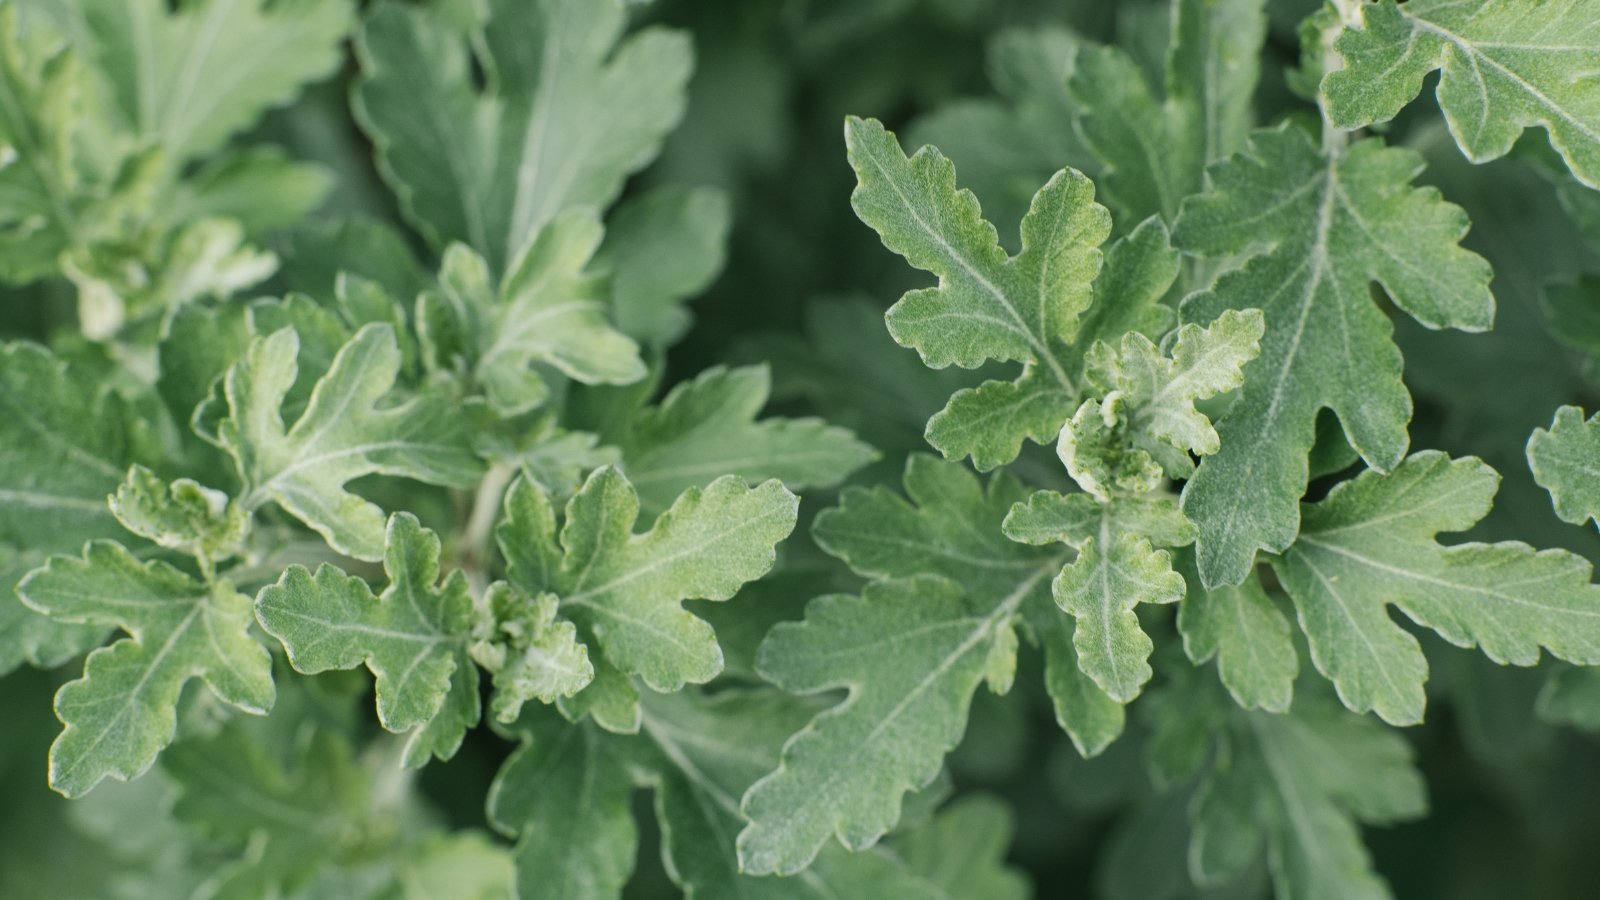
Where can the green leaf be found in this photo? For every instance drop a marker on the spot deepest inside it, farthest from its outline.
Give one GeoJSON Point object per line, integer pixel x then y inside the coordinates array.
{"type": "Point", "coordinates": [625, 590]}
{"type": "Point", "coordinates": [1147, 424]}
{"type": "Point", "coordinates": [413, 637]}
{"type": "Point", "coordinates": [1248, 635]}
{"type": "Point", "coordinates": [1294, 788]}
{"type": "Point", "coordinates": [63, 448]}
{"type": "Point", "coordinates": [1213, 66]}
{"type": "Point", "coordinates": [1321, 231]}
{"type": "Point", "coordinates": [1161, 387]}
{"type": "Point", "coordinates": [963, 850]}
{"type": "Point", "coordinates": [1371, 544]}
{"type": "Point", "coordinates": [547, 310]}
{"type": "Point", "coordinates": [184, 515]}
{"type": "Point", "coordinates": [1505, 66]}
{"type": "Point", "coordinates": [661, 249]}
{"type": "Point", "coordinates": [1116, 569]}
{"type": "Point", "coordinates": [343, 434]}
{"type": "Point", "coordinates": [564, 796]}
{"type": "Point", "coordinates": [122, 712]}
{"type": "Point", "coordinates": [1566, 462]}
{"type": "Point", "coordinates": [704, 752]}
{"type": "Point", "coordinates": [707, 427]}
{"type": "Point", "coordinates": [988, 305]}
{"type": "Point", "coordinates": [187, 79]}
{"type": "Point", "coordinates": [911, 650]}
{"type": "Point", "coordinates": [530, 654]}
{"type": "Point", "coordinates": [1572, 697]}
{"type": "Point", "coordinates": [41, 125]}
{"type": "Point", "coordinates": [302, 813]}
{"type": "Point", "coordinates": [1151, 150]}
{"type": "Point", "coordinates": [567, 115]}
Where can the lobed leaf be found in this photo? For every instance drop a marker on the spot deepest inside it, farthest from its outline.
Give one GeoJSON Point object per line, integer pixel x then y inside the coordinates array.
{"type": "Point", "coordinates": [988, 305]}
{"type": "Point", "coordinates": [912, 649]}
{"type": "Point", "coordinates": [1505, 66]}
{"type": "Point", "coordinates": [413, 636]}
{"type": "Point", "coordinates": [122, 712]}
{"type": "Point", "coordinates": [492, 168]}
{"type": "Point", "coordinates": [343, 434]}
{"type": "Point", "coordinates": [1321, 230]}
{"type": "Point", "coordinates": [1371, 544]}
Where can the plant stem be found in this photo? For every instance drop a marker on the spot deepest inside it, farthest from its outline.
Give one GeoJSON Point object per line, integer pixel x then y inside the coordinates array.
{"type": "Point", "coordinates": [472, 554]}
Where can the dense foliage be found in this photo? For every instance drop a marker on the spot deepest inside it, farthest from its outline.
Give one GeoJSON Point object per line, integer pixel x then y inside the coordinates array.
{"type": "Point", "coordinates": [490, 347]}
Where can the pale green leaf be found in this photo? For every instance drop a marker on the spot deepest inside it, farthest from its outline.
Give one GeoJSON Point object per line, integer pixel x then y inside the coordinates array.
{"type": "Point", "coordinates": [186, 79]}
{"type": "Point", "coordinates": [1100, 589]}
{"type": "Point", "coordinates": [547, 310]}
{"type": "Point", "coordinates": [1246, 633]}
{"type": "Point", "coordinates": [912, 650]}
{"type": "Point", "coordinates": [1139, 269]}
{"type": "Point", "coordinates": [63, 448]}
{"type": "Point", "coordinates": [183, 515]}
{"type": "Point", "coordinates": [1321, 231]}
{"type": "Point", "coordinates": [1566, 462]}
{"type": "Point", "coordinates": [1116, 569]}
{"type": "Point", "coordinates": [530, 655]}
{"type": "Point", "coordinates": [413, 636]}
{"type": "Point", "coordinates": [122, 712]}
{"type": "Point", "coordinates": [625, 591]}
{"type": "Point", "coordinates": [707, 427]}
{"type": "Point", "coordinates": [1161, 388]}
{"type": "Point", "coordinates": [343, 434]}
{"type": "Point", "coordinates": [1505, 66]}
{"type": "Point", "coordinates": [1371, 544]}
{"type": "Point", "coordinates": [661, 249]}
{"type": "Point", "coordinates": [988, 305]}
{"type": "Point", "coordinates": [704, 752]}
{"type": "Point", "coordinates": [492, 168]}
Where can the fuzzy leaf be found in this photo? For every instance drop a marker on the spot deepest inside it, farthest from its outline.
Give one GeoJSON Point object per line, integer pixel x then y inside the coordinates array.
{"type": "Point", "coordinates": [707, 427]}
{"type": "Point", "coordinates": [183, 515]}
{"type": "Point", "coordinates": [912, 650]}
{"type": "Point", "coordinates": [1250, 638]}
{"type": "Point", "coordinates": [342, 435]}
{"type": "Point", "coordinates": [1322, 231]}
{"type": "Point", "coordinates": [413, 636]}
{"type": "Point", "coordinates": [62, 450]}
{"type": "Point", "coordinates": [988, 305]}
{"type": "Point", "coordinates": [1566, 462]}
{"type": "Point", "coordinates": [1117, 568]}
{"type": "Point", "coordinates": [569, 783]}
{"type": "Point", "coordinates": [122, 712]}
{"type": "Point", "coordinates": [532, 655]}
{"type": "Point", "coordinates": [1161, 388]}
{"type": "Point", "coordinates": [547, 310]}
{"type": "Point", "coordinates": [625, 591]}
{"type": "Point", "coordinates": [568, 114]}
{"type": "Point", "coordinates": [1506, 65]}
{"type": "Point", "coordinates": [1371, 544]}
